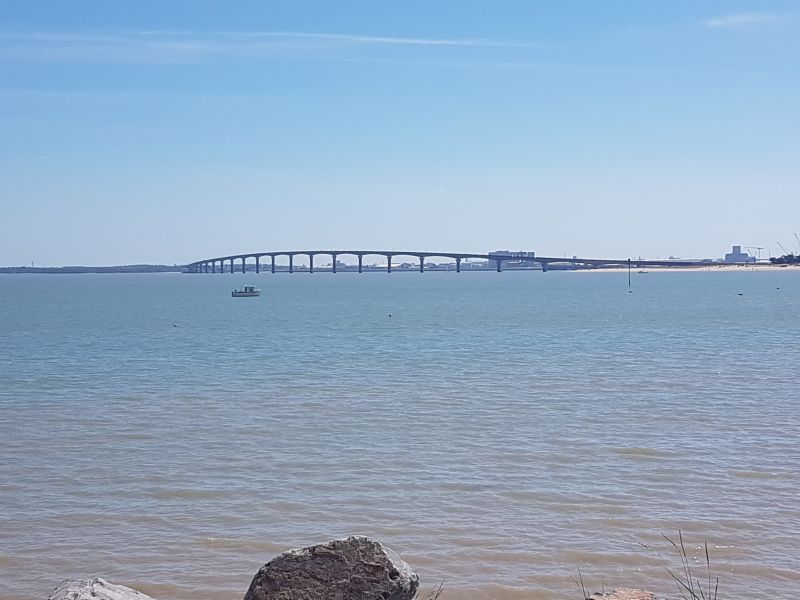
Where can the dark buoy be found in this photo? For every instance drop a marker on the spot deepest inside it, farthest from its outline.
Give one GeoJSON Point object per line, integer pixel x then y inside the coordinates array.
{"type": "Point", "coordinates": [741, 294]}
{"type": "Point", "coordinates": [390, 314]}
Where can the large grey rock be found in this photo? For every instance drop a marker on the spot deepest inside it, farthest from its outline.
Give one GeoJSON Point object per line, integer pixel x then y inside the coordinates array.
{"type": "Point", "coordinates": [624, 594]}
{"type": "Point", "coordinates": [355, 568]}
{"type": "Point", "coordinates": [94, 589]}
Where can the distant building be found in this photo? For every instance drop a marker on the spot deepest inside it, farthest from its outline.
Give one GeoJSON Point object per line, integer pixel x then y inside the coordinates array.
{"type": "Point", "coordinates": [513, 260]}
{"type": "Point", "coordinates": [737, 256]}
{"type": "Point", "coordinates": [474, 264]}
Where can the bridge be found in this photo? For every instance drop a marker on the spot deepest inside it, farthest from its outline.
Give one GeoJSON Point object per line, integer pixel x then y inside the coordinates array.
{"type": "Point", "coordinates": [495, 259]}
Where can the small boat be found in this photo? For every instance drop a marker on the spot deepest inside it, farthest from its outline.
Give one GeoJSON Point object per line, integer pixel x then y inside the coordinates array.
{"type": "Point", "coordinates": [247, 291]}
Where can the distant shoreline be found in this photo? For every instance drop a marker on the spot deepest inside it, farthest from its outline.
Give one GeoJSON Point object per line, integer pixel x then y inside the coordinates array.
{"type": "Point", "coordinates": [706, 268]}
{"type": "Point", "coordinates": [712, 268]}
{"type": "Point", "coordinates": [81, 269]}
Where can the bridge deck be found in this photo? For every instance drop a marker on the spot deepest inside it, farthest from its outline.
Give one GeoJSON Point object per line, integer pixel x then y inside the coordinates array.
{"type": "Point", "coordinates": [457, 256]}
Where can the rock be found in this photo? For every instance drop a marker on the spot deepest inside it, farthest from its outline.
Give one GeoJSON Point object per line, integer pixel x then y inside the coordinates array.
{"type": "Point", "coordinates": [624, 594]}
{"type": "Point", "coordinates": [94, 589]}
{"type": "Point", "coordinates": [355, 568]}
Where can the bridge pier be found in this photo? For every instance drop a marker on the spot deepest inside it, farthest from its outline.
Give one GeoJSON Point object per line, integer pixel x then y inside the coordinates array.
{"type": "Point", "coordinates": [458, 265]}
{"type": "Point", "coordinates": [205, 266]}
{"type": "Point", "coordinates": [272, 264]}
{"type": "Point", "coordinates": [213, 266]}
{"type": "Point", "coordinates": [498, 264]}
{"type": "Point", "coordinates": [544, 267]}
{"type": "Point", "coordinates": [388, 263]}
{"type": "Point", "coordinates": [258, 265]}
{"type": "Point", "coordinates": [360, 263]}
{"type": "Point", "coordinates": [291, 263]}
{"type": "Point", "coordinates": [421, 264]}
{"type": "Point", "coordinates": [243, 264]}
{"type": "Point", "coordinates": [231, 265]}
{"type": "Point", "coordinates": [333, 263]}
{"type": "Point", "coordinates": [310, 263]}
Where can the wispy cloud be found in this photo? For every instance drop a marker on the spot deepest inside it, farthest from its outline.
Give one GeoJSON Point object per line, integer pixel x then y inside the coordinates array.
{"type": "Point", "coordinates": [189, 46]}
{"type": "Point", "coordinates": [744, 20]}
{"type": "Point", "coordinates": [347, 37]}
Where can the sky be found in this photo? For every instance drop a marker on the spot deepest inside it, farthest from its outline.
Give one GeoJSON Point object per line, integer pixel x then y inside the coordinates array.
{"type": "Point", "coordinates": [166, 132]}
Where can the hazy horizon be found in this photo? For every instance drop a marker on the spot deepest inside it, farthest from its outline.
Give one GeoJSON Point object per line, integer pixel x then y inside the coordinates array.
{"type": "Point", "coordinates": [321, 260]}
{"type": "Point", "coordinates": [138, 133]}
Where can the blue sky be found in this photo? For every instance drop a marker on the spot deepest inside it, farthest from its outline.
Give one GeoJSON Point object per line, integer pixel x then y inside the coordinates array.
{"type": "Point", "coordinates": [170, 131]}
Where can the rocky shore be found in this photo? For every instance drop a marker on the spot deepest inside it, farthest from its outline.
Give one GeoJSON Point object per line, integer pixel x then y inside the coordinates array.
{"type": "Point", "coordinates": [354, 568]}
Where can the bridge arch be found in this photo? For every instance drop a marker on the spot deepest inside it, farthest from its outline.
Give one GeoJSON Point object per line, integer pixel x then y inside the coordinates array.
{"type": "Point", "coordinates": [222, 263]}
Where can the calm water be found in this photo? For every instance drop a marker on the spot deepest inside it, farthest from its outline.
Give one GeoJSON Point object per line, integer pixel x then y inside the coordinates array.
{"type": "Point", "coordinates": [498, 430]}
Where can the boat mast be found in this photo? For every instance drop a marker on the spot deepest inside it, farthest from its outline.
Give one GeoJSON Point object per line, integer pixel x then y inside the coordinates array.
{"type": "Point", "coordinates": [629, 274]}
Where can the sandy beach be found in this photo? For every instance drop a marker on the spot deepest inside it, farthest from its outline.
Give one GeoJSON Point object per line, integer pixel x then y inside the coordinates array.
{"type": "Point", "coordinates": [703, 269]}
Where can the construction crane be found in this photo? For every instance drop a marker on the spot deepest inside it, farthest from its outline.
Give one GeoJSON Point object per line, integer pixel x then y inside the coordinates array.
{"type": "Point", "coordinates": [785, 251]}
{"type": "Point", "coordinates": [756, 248]}
{"type": "Point", "coordinates": [798, 239]}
